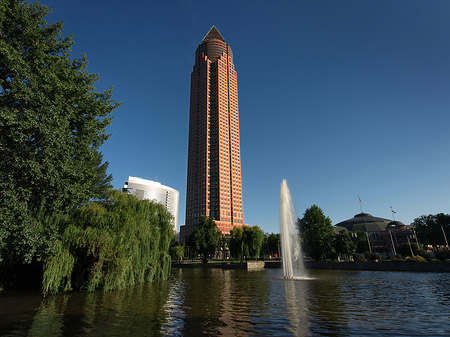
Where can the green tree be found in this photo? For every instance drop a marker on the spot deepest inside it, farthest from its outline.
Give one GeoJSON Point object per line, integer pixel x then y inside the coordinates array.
{"type": "Point", "coordinates": [237, 243]}
{"type": "Point", "coordinates": [111, 244]}
{"type": "Point", "coordinates": [177, 252]}
{"type": "Point", "coordinates": [317, 233]}
{"type": "Point", "coordinates": [204, 239]}
{"type": "Point", "coordinates": [253, 238]}
{"type": "Point", "coordinates": [361, 241]}
{"type": "Point", "coordinates": [271, 244]}
{"type": "Point", "coordinates": [344, 245]}
{"type": "Point", "coordinates": [429, 228]}
{"type": "Point", "coordinates": [52, 123]}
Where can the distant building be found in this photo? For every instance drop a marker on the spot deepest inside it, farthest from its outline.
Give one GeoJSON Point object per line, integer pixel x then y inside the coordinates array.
{"type": "Point", "coordinates": [365, 222]}
{"type": "Point", "coordinates": [384, 235]}
{"type": "Point", "coordinates": [214, 159]}
{"type": "Point", "coordinates": [153, 190]}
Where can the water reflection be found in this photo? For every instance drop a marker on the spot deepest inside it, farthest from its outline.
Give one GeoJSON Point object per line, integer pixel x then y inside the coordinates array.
{"type": "Point", "coordinates": [49, 316]}
{"type": "Point", "coordinates": [327, 304]}
{"type": "Point", "coordinates": [198, 302]}
{"type": "Point", "coordinates": [297, 306]}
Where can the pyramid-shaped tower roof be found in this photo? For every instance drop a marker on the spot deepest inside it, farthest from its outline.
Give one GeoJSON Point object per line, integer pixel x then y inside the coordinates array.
{"type": "Point", "coordinates": [213, 34]}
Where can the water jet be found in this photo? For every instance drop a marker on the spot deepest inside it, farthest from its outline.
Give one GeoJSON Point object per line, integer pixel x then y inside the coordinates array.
{"type": "Point", "coordinates": [291, 250]}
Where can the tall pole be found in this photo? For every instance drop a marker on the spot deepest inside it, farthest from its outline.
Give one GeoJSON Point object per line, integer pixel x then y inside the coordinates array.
{"type": "Point", "coordinates": [392, 211]}
{"type": "Point", "coordinates": [445, 237]}
{"type": "Point", "coordinates": [415, 235]}
{"type": "Point", "coordinates": [368, 241]}
{"type": "Point", "coordinates": [409, 243]}
{"type": "Point", "coordinates": [360, 203]}
{"type": "Point", "coordinates": [392, 241]}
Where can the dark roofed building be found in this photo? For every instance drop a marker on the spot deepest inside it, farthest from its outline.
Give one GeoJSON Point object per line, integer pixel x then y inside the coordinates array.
{"type": "Point", "coordinates": [365, 222]}
{"type": "Point", "coordinates": [396, 225]}
{"type": "Point", "coordinates": [384, 235]}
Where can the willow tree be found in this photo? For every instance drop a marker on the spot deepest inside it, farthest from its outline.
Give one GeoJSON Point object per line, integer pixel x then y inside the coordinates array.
{"type": "Point", "coordinates": [246, 241]}
{"type": "Point", "coordinates": [111, 244]}
{"type": "Point", "coordinates": [237, 243]}
{"type": "Point", "coordinates": [253, 238]}
{"type": "Point", "coordinates": [52, 123]}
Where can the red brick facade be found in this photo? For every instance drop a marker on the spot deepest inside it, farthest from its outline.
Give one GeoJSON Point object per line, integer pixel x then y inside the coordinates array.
{"type": "Point", "coordinates": [214, 186]}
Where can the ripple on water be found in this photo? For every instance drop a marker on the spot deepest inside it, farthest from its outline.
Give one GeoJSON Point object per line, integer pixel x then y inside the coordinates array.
{"type": "Point", "coordinates": [235, 302]}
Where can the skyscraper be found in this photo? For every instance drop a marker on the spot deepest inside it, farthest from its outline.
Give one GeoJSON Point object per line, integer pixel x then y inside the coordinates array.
{"type": "Point", "coordinates": [214, 187]}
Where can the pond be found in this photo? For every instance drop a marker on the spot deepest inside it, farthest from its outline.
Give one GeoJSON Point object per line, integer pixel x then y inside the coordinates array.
{"type": "Point", "coordinates": [198, 301]}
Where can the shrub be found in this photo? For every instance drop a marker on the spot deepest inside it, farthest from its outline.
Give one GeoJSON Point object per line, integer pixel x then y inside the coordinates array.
{"type": "Point", "coordinates": [405, 249]}
{"type": "Point", "coordinates": [371, 256]}
{"type": "Point", "coordinates": [358, 258]}
{"type": "Point", "coordinates": [398, 258]}
{"type": "Point", "coordinates": [425, 255]}
{"type": "Point", "coordinates": [442, 255]}
{"type": "Point", "coordinates": [419, 258]}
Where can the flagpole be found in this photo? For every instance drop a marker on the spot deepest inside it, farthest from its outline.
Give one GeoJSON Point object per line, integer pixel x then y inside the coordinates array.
{"type": "Point", "coordinates": [360, 203]}
{"type": "Point", "coordinates": [392, 211]}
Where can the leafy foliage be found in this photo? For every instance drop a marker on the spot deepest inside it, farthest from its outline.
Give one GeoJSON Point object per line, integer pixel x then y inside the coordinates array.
{"type": "Point", "coordinates": [204, 239]}
{"type": "Point", "coordinates": [52, 123]}
{"type": "Point", "coordinates": [429, 228]}
{"type": "Point", "coordinates": [371, 256]}
{"type": "Point", "coordinates": [361, 240]}
{"type": "Point", "coordinates": [419, 258]}
{"type": "Point", "coordinates": [253, 238]}
{"type": "Point", "coordinates": [237, 243]}
{"type": "Point", "coordinates": [246, 241]}
{"type": "Point", "coordinates": [317, 233]}
{"type": "Point", "coordinates": [344, 245]}
{"type": "Point", "coordinates": [176, 251]}
{"type": "Point", "coordinates": [442, 255]}
{"type": "Point", "coordinates": [405, 249]}
{"type": "Point", "coordinates": [271, 244]}
{"type": "Point", "coordinates": [114, 243]}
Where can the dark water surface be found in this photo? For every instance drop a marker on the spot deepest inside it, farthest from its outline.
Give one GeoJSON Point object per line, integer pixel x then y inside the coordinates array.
{"type": "Point", "coordinates": [198, 302]}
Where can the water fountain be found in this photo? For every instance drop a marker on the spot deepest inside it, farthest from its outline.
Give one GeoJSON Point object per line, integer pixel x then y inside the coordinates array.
{"type": "Point", "coordinates": [291, 251]}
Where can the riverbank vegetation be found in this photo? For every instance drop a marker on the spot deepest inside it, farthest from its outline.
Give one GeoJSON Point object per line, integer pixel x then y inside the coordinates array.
{"type": "Point", "coordinates": [243, 242]}
{"type": "Point", "coordinates": [111, 244]}
{"type": "Point", "coordinates": [61, 225]}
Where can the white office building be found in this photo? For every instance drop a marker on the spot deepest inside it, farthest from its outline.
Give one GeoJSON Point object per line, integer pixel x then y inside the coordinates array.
{"type": "Point", "coordinates": [153, 190]}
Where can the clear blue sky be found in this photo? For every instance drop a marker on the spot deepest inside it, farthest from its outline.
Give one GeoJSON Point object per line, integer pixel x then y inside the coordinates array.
{"type": "Point", "coordinates": [338, 97]}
